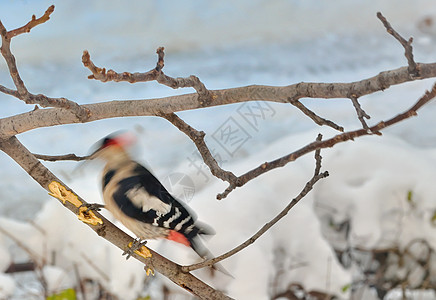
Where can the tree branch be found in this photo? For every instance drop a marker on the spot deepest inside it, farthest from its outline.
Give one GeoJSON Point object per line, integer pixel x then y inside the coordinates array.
{"type": "Point", "coordinates": [346, 136]}
{"type": "Point", "coordinates": [131, 107]}
{"type": "Point", "coordinates": [106, 229]}
{"type": "Point", "coordinates": [32, 23]}
{"type": "Point", "coordinates": [413, 67]}
{"type": "Point", "coordinates": [361, 114]}
{"type": "Point", "coordinates": [317, 119]}
{"type": "Point", "coordinates": [307, 188]}
{"type": "Point", "coordinates": [204, 95]}
{"type": "Point", "coordinates": [70, 156]}
{"type": "Point", "coordinates": [155, 107]}
{"type": "Point", "coordinates": [22, 93]}
{"type": "Point", "coordinates": [198, 138]}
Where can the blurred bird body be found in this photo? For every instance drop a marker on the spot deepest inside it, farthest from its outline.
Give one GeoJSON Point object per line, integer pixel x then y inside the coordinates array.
{"type": "Point", "coordinates": [141, 203]}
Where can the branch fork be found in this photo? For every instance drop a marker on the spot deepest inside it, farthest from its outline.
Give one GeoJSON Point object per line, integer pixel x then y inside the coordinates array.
{"type": "Point", "coordinates": [413, 69]}
{"type": "Point", "coordinates": [156, 74]}
{"type": "Point", "coordinates": [21, 91]}
{"type": "Point", "coordinates": [307, 188]}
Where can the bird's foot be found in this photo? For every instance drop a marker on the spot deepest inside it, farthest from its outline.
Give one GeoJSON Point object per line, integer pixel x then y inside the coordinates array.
{"type": "Point", "coordinates": [136, 245]}
{"type": "Point", "coordinates": [92, 206]}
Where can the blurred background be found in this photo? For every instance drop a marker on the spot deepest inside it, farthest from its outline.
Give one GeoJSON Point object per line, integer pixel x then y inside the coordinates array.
{"type": "Point", "coordinates": [229, 44]}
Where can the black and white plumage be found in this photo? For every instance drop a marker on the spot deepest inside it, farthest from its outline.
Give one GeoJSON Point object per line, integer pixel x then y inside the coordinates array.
{"type": "Point", "coordinates": [138, 200]}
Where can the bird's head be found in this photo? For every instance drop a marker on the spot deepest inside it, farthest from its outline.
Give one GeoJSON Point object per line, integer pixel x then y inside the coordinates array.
{"type": "Point", "coordinates": [113, 147]}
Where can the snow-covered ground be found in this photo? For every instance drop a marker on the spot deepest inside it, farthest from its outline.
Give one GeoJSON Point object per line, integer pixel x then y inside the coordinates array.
{"type": "Point", "coordinates": [229, 44]}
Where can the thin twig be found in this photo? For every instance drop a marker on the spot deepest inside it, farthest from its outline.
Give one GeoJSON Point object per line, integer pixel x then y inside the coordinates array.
{"type": "Point", "coordinates": [22, 93]}
{"type": "Point", "coordinates": [205, 96]}
{"type": "Point", "coordinates": [318, 157]}
{"type": "Point", "coordinates": [95, 267]}
{"type": "Point", "coordinates": [80, 281]}
{"type": "Point", "coordinates": [307, 188]}
{"type": "Point", "coordinates": [32, 23]}
{"type": "Point", "coordinates": [71, 156]}
{"type": "Point", "coordinates": [198, 138]}
{"type": "Point", "coordinates": [317, 119]}
{"type": "Point", "coordinates": [39, 260]}
{"type": "Point", "coordinates": [346, 136]}
{"type": "Point", "coordinates": [361, 114]}
{"type": "Point", "coordinates": [413, 69]}
{"type": "Point", "coordinates": [7, 91]}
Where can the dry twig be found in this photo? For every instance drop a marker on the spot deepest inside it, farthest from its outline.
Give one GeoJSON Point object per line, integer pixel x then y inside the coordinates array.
{"type": "Point", "coordinates": [198, 138]}
{"type": "Point", "coordinates": [361, 114]}
{"type": "Point", "coordinates": [413, 68]}
{"type": "Point", "coordinates": [346, 136]}
{"type": "Point", "coordinates": [204, 95]}
{"type": "Point", "coordinates": [317, 119]}
{"type": "Point", "coordinates": [307, 188]}
{"type": "Point", "coordinates": [70, 156]}
{"type": "Point", "coordinates": [237, 181]}
{"type": "Point", "coordinates": [32, 23]}
{"type": "Point", "coordinates": [22, 93]}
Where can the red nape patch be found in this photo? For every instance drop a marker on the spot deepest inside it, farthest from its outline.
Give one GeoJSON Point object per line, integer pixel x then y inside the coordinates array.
{"type": "Point", "coordinates": [179, 238]}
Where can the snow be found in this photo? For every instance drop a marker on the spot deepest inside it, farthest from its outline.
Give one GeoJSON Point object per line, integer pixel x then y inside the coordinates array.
{"type": "Point", "coordinates": [56, 237]}
{"type": "Point", "coordinates": [7, 286]}
{"type": "Point", "coordinates": [229, 44]}
{"type": "Point", "coordinates": [56, 279]}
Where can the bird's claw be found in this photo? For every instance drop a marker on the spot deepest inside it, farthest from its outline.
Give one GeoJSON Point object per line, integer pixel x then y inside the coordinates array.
{"type": "Point", "coordinates": [92, 206]}
{"type": "Point", "coordinates": [136, 245]}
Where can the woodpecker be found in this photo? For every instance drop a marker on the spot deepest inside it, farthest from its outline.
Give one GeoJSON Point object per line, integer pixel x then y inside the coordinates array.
{"type": "Point", "coordinates": [140, 202]}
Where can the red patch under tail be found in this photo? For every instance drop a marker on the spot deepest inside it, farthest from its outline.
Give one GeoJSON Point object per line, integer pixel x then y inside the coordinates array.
{"type": "Point", "coordinates": [179, 238]}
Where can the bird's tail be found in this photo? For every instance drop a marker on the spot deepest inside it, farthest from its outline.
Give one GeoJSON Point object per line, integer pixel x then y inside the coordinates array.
{"type": "Point", "coordinates": [193, 240]}
{"type": "Point", "coordinates": [198, 246]}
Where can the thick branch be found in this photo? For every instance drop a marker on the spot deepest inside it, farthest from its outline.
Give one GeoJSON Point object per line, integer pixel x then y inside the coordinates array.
{"type": "Point", "coordinates": [154, 107]}
{"type": "Point", "coordinates": [307, 188]}
{"type": "Point", "coordinates": [107, 230]}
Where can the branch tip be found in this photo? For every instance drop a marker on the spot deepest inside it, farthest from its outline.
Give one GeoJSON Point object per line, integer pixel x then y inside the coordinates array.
{"type": "Point", "coordinates": [306, 189]}
{"type": "Point", "coordinates": [32, 23]}
{"type": "Point", "coordinates": [317, 119]}
{"type": "Point", "coordinates": [407, 45]}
